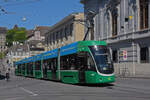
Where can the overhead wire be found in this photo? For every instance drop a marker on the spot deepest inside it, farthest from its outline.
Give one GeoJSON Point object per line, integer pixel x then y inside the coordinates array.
{"type": "Point", "coordinates": [13, 3]}
{"type": "Point", "coordinates": [18, 3]}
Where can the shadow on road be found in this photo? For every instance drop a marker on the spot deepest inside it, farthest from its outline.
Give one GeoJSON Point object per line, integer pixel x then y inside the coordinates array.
{"type": "Point", "coordinates": [2, 77]}
{"type": "Point", "coordinates": [107, 85]}
{"type": "Point", "coordinates": [96, 85]}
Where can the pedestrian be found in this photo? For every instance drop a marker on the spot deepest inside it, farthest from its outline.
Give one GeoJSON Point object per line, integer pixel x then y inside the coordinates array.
{"type": "Point", "coordinates": [7, 74]}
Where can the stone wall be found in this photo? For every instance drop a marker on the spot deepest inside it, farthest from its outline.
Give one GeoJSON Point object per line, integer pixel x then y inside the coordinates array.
{"type": "Point", "coordinates": [132, 70]}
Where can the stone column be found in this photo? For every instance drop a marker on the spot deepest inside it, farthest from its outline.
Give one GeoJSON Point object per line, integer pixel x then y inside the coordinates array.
{"type": "Point", "coordinates": [149, 53]}
{"type": "Point", "coordinates": [138, 54]}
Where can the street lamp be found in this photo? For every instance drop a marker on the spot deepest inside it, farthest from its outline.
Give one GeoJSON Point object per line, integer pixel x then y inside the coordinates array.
{"type": "Point", "coordinates": [24, 19]}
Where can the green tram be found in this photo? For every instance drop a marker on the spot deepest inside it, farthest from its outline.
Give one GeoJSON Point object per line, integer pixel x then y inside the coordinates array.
{"type": "Point", "coordinates": [86, 62]}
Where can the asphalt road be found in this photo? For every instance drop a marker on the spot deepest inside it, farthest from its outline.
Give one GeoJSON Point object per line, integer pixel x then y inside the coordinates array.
{"type": "Point", "coordinates": [20, 88]}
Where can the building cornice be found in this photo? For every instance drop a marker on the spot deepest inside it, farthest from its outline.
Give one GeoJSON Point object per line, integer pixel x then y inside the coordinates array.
{"type": "Point", "coordinates": [62, 21]}
{"type": "Point", "coordinates": [66, 19]}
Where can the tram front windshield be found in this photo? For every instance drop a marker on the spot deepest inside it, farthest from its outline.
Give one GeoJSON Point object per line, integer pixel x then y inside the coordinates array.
{"type": "Point", "coordinates": [102, 58]}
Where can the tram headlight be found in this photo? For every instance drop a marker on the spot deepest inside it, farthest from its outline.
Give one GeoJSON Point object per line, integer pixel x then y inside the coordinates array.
{"type": "Point", "coordinates": [109, 78]}
{"type": "Point", "coordinates": [92, 74]}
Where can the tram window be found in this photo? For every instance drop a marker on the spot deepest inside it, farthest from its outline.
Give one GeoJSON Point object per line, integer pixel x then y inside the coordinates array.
{"type": "Point", "coordinates": [72, 61]}
{"type": "Point", "coordinates": [23, 67]}
{"type": "Point", "coordinates": [47, 64]}
{"type": "Point", "coordinates": [38, 65]}
{"type": "Point", "coordinates": [64, 63]}
{"type": "Point", "coordinates": [28, 67]}
{"type": "Point", "coordinates": [90, 62]}
{"type": "Point", "coordinates": [52, 64]}
{"type": "Point", "coordinates": [31, 64]}
{"type": "Point", "coordinates": [77, 61]}
{"type": "Point", "coordinates": [19, 68]}
{"type": "Point", "coordinates": [85, 61]}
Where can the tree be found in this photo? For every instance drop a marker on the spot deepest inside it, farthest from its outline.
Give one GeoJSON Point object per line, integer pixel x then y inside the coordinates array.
{"type": "Point", "coordinates": [15, 35]}
{"type": "Point", "coordinates": [2, 55]}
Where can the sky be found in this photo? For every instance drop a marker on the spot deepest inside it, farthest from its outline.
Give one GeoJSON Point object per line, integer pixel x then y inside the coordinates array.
{"type": "Point", "coordinates": [31, 13]}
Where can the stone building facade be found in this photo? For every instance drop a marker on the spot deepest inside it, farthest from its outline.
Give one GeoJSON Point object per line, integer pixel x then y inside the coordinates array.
{"type": "Point", "coordinates": [17, 52]}
{"type": "Point", "coordinates": [36, 39]}
{"type": "Point", "coordinates": [68, 30]}
{"type": "Point", "coordinates": [125, 25]}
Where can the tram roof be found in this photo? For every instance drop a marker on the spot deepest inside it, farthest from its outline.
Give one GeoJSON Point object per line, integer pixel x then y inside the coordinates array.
{"type": "Point", "coordinates": [68, 49]}
{"type": "Point", "coordinates": [73, 48]}
{"type": "Point", "coordinates": [91, 43]}
{"type": "Point", "coordinates": [65, 50]}
{"type": "Point", "coordinates": [50, 54]}
{"type": "Point", "coordinates": [38, 57]}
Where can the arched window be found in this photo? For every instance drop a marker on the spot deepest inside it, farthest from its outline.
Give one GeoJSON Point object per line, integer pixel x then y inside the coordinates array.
{"type": "Point", "coordinates": [114, 22]}
{"type": "Point", "coordinates": [106, 24]}
{"type": "Point", "coordinates": [144, 9]}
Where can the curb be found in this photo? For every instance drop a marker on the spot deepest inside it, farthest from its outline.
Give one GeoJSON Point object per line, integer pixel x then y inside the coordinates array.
{"type": "Point", "coordinates": [136, 77]}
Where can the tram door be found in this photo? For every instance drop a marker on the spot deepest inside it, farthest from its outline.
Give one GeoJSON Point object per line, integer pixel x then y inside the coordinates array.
{"type": "Point", "coordinates": [28, 66]}
{"type": "Point", "coordinates": [82, 63]}
{"type": "Point", "coordinates": [54, 69]}
{"type": "Point", "coordinates": [82, 75]}
{"type": "Point", "coordinates": [45, 69]}
{"type": "Point", "coordinates": [31, 70]}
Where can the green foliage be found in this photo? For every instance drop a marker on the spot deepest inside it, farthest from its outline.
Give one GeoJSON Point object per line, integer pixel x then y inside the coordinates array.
{"type": "Point", "coordinates": [18, 35]}
{"type": "Point", "coordinates": [2, 55]}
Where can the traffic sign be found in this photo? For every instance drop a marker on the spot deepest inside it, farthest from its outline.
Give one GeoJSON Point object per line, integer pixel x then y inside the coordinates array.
{"type": "Point", "coordinates": [124, 54]}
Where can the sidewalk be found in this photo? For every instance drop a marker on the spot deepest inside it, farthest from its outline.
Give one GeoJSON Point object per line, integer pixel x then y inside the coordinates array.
{"type": "Point", "coordinates": [136, 76]}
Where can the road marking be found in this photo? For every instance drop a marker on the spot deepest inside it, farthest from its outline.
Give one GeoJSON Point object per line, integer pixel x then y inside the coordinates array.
{"type": "Point", "coordinates": [17, 98]}
{"type": "Point", "coordinates": [28, 91]}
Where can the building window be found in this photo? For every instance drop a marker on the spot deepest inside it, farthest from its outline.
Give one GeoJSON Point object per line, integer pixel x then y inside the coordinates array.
{"type": "Point", "coordinates": [68, 30]}
{"type": "Point", "coordinates": [51, 38]}
{"type": "Point", "coordinates": [114, 23]}
{"type": "Point", "coordinates": [115, 56]}
{"type": "Point", "coordinates": [54, 37]}
{"type": "Point", "coordinates": [71, 29]}
{"type": "Point", "coordinates": [57, 36]}
{"type": "Point", "coordinates": [65, 32]}
{"type": "Point", "coordinates": [144, 14]}
{"type": "Point", "coordinates": [48, 39]}
{"type": "Point", "coordinates": [144, 55]}
{"type": "Point", "coordinates": [61, 34]}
